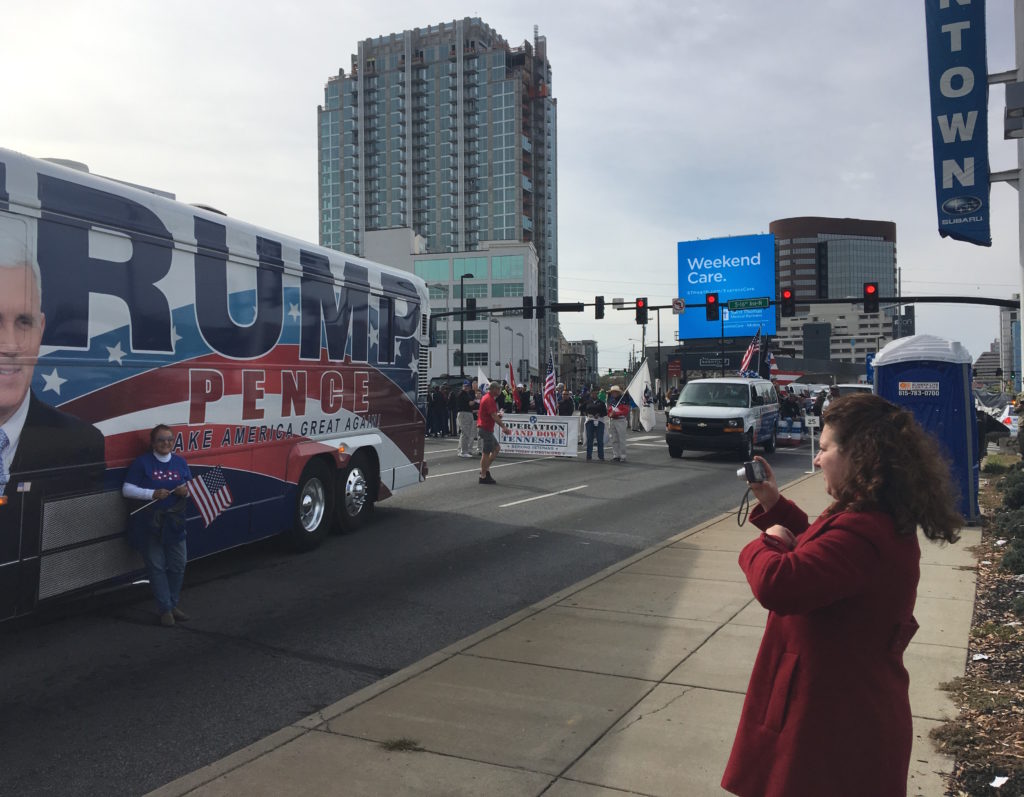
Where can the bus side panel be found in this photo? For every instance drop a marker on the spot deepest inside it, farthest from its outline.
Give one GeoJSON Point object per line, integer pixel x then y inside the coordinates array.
{"type": "Point", "coordinates": [245, 342]}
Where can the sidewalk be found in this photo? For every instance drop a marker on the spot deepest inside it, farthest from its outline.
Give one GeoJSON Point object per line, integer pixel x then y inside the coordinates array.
{"type": "Point", "coordinates": [630, 681]}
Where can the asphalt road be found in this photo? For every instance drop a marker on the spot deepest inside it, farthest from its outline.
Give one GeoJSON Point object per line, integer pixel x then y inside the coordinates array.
{"type": "Point", "coordinates": [96, 699]}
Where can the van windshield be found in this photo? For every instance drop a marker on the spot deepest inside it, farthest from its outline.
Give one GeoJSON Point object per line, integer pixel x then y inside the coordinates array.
{"type": "Point", "coordinates": [709, 394]}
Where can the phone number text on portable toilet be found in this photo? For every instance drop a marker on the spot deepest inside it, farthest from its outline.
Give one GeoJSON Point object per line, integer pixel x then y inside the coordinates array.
{"type": "Point", "coordinates": [919, 388]}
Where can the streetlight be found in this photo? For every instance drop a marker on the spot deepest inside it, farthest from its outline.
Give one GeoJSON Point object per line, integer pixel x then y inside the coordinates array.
{"type": "Point", "coordinates": [462, 324]}
{"type": "Point", "coordinates": [519, 370]}
{"type": "Point", "coordinates": [498, 330]}
{"type": "Point", "coordinates": [446, 286]}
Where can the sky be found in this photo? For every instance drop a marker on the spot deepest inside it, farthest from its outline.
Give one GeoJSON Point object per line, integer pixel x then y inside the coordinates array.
{"type": "Point", "coordinates": [677, 120]}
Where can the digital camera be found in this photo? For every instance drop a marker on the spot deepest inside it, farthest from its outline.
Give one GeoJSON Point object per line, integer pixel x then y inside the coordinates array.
{"type": "Point", "coordinates": [752, 471]}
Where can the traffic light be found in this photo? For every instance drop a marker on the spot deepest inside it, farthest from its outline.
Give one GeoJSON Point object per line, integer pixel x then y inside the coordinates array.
{"type": "Point", "coordinates": [870, 297]}
{"type": "Point", "coordinates": [471, 309]}
{"type": "Point", "coordinates": [788, 303]}
{"type": "Point", "coordinates": [598, 307]}
{"type": "Point", "coordinates": [641, 310]}
{"type": "Point", "coordinates": [540, 307]}
{"type": "Point", "coordinates": [711, 306]}
{"type": "Point", "coordinates": [527, 307]}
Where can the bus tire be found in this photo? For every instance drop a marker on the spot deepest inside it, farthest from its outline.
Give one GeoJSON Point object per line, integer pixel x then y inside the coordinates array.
{"type": "Point", "coordinates": [314, 507]}
{"type": "Point", "coordinates": [356, 489]}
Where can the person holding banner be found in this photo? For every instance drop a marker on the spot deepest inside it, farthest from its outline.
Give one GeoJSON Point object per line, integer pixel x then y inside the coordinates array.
{"type": "Point", "coordinates": [618, 412]}
{"type": "Point", "coordinates": [157, 529]}
{"type": "Point", "coordinates": [596, 413]}
{"type": "Point", "coordinates": [466, 404]}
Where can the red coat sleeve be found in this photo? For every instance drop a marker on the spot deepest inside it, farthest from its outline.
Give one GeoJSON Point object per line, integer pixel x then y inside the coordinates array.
{"type": "Point", "coordinates": [830, 565]}
{"type": "Point", "coordinates": [785, 513]}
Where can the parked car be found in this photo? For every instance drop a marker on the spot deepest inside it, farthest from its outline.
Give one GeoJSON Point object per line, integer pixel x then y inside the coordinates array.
{"type": "Point", "coordinates": [724, 414]}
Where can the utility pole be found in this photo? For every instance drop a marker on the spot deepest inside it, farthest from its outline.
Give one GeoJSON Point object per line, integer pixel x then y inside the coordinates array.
{"type": "Point", "coordinates": [658, 311]}
{"type": "Point", "coordinates": [1018, 29]}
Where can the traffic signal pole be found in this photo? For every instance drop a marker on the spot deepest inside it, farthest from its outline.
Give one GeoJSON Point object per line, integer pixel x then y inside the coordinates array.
{"type": "Point", "coordinates": [721, 340]}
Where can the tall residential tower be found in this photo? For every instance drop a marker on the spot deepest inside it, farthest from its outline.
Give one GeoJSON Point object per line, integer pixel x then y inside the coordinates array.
{"type": "Point", "coordinates": [448, 131]}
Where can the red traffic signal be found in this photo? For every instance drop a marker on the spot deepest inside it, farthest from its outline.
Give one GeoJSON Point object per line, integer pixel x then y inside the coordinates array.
{"type": "Point", "coordinates": [870, 297]}
{"type": "Point", "coordinates": [641, 310]}
{"type": "Point", "coordinates": [788, 302]}
{"type": "Point", "coordinates": [711, 306]}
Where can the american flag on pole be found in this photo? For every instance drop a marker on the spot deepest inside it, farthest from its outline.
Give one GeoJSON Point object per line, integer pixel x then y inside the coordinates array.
{"type": "Point", "coordinates": [550, 406]}
{"type": "Point", "coordinates": [752, 349]}
{"type": "Point", "coordinates": [211, 494]}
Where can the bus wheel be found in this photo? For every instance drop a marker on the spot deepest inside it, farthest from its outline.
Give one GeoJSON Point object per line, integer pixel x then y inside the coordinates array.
{"type": "Point", "coordinates": [355, 494]}
{"type": "Point", "coordinates": [314, 507]}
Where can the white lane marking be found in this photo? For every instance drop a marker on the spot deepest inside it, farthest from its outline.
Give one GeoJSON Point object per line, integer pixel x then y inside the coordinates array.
{"type": "Point", "coordinates": [477, 469]}
{"type": "Point", "coordinates": [538, 497]}
{"type": "Point", "coordinates": [645, 437]}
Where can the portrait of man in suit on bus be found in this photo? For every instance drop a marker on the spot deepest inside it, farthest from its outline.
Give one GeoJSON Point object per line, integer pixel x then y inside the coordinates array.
{"type": "Point", "coordinates": [38, 443]}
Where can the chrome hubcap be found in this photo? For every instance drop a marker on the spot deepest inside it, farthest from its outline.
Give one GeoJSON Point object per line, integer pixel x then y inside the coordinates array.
{"type": "Point", "coordinates": [355, 492]}
{"type": "Point", "coordinates": [312, 504]}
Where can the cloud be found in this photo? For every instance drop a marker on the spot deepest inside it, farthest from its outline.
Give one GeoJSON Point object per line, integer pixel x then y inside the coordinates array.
{"type": "Point", "coordinates": [676, 121]}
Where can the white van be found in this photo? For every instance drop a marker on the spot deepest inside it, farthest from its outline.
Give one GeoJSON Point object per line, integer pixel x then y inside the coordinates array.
{"type": "Point", "coordinates": [724, 414]}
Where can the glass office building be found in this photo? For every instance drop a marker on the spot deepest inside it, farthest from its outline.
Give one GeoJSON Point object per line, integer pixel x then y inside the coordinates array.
{"type": "Point", "coordinates": [831, 258]}
{"type": "Point", "coordinates": [449, 131]}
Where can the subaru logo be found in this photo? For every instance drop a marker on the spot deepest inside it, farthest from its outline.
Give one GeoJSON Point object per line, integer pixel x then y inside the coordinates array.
{"type": "Point", "coordinates": [961, 205]}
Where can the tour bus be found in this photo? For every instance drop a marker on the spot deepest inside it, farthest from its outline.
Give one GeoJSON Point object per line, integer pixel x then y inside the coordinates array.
{"type": "Point", "coordinates": [296, 370]}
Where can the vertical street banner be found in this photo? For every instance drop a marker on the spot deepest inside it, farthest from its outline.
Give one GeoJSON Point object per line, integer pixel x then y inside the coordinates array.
{"type": "Point", "coordinates": [958, 83]}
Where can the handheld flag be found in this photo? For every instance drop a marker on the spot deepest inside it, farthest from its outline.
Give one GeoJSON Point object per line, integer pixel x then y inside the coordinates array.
{"type": "Point", "coordinates": [550, 406]}
{"type": "Point", "coordinates": [768, 365]}
{"type": "Point", "coordinates": [210, 493]}
{"type": "Point", "coordinates": [516, 401]}
{"type": "Point", "coordinates": [481, 380]}
{"type": "Point", "coordinates": [640, 391]}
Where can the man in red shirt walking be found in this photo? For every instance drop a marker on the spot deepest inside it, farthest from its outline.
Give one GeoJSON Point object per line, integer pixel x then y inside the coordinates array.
{"type": "Point", "coordinates": [487, 417]}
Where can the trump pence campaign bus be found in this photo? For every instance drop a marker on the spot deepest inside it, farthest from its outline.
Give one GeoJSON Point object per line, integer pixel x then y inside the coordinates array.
{"type": "Point", "coordinates": [292, 374]}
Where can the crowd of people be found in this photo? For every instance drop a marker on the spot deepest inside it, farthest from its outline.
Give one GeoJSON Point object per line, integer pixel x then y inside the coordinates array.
{"type": "Point", "coordinates": [606, 416]}
{"type": "Point", "coordinates": [445, 404]}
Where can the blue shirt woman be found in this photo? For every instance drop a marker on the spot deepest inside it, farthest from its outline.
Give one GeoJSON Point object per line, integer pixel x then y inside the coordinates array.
{"type": "Point", "coordinates": [158, 529]}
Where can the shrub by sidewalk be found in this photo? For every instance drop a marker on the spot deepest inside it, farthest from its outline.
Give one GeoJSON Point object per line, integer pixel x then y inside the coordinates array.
{"type": "Point", "coordinates": [987, 738]}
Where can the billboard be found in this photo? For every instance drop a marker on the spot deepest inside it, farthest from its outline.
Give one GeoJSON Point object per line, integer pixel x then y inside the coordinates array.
{"type": "Point", "coordinates": [958, 81]}
{"type": "Point", "coordinates": [742, 267]}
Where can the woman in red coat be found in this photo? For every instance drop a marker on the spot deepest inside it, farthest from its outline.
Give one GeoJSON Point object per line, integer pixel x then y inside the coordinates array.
{"type": "Point", "coordinates": [827, 710]}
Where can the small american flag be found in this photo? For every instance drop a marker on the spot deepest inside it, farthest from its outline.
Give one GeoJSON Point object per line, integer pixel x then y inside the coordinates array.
{"type": "Point", "coordinates": [752, 349]}
{"type": "Point", "coordinates": [211, 494]}
{"type": "Point", "coordinates": [550, 407]}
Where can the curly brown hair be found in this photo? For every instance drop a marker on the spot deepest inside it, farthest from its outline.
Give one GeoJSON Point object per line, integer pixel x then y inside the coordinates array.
{"type": "Point", "coordinates": [894, 466]}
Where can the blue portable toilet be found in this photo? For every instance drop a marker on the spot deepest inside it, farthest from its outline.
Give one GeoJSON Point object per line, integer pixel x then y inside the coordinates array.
{"type": "Point", "coordinates": [931, 377]}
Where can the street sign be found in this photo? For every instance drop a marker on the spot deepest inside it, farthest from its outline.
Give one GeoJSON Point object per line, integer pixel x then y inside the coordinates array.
{"type": "Point", "coordinates": [618, 302]}
{"type": "Point", "coordinates": [678, 306]}
{"type": "Point", "coordinates": [748, 304]}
